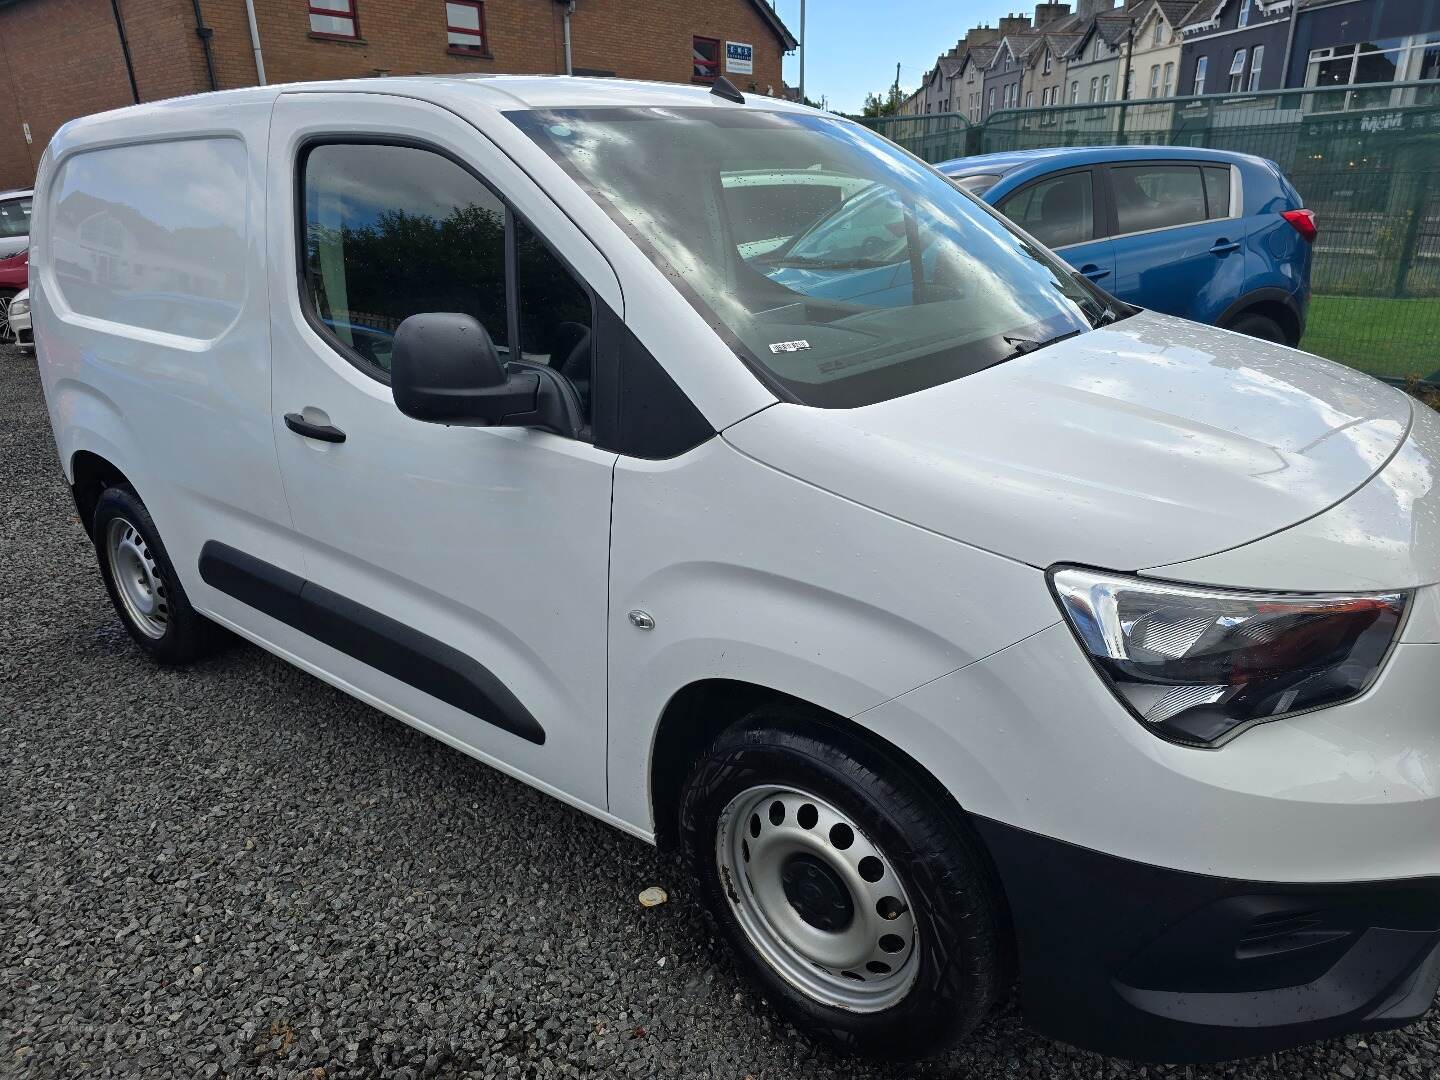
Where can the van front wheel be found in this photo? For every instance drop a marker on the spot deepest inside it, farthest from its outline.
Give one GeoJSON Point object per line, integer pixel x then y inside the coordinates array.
{"type": "Point", "coordinates": [142, 582]}
{"type": "Point", "coordinates": [856, 898]}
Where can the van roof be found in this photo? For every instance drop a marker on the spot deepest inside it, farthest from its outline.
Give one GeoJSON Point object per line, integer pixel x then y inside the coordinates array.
{"type": "Point", "coordinates": [501, 92]}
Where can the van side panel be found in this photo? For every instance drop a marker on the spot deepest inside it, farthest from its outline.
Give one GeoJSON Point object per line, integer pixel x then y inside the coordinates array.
{"type": "Point", "coordinates": [788, 587]}
{"type": "Point", "coordinates": [151, 307]}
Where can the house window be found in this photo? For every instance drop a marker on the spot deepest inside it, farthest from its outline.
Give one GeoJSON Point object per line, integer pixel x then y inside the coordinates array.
{"type": "Point", "coordinates": [1105, 88]}
{"type": "Point", "coordinates": [1094, 89]}
{"type": "Point", "coordinates": [1047, 61]}
{"type": "Point", "coordinates": [1257, 61]}
{"type": "Point", "coordinates": [1384, 61]}
{"type": "Point", "coordinates": [1159, 29]}
{"type": "Point", "coordinates": [1155, 81]}
{"type": "Point", "coordinates": [1237, 71]}
{"type": "Point", "coordinates": [1075, 92]}
{"type": "Point", "coordinates": [1029, 98]}
{"type": "Point", "coordinates": [1169, 84]}
{"type": "Point", "coordinates": [333, 19]}
{"type": "Point", "coordinates": [1244, 13]}
{"type": "Point", "coordinates": [991, 106]}
{"type": "Point", "coordinates": [465, 26]}
{"type": "Point", "coordinates": [1200, 67]}
{"type": "Point", "coordinates": [706, 55]}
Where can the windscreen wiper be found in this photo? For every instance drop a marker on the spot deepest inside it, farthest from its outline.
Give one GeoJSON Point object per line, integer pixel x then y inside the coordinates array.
{"type": "Point", "coordinates": [1021, 346]}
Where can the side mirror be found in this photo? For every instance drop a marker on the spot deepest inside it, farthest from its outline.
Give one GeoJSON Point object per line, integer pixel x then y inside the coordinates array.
{"type": "Point", "coordinates": [444, 369]}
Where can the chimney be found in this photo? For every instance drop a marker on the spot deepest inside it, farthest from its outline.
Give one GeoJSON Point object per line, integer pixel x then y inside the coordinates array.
{"type": "Point", "coordinates": [1048, 13]}
{"type": "Point", "coordinates": [1088, 8]}
{"type": "Point", "coordinates": [981, 35]}
{"type": "Point", "coordinates": [1014, 24]}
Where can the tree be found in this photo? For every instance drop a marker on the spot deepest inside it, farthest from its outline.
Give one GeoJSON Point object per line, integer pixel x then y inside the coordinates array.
{"type": "Point", "coordinates": [889, 105]}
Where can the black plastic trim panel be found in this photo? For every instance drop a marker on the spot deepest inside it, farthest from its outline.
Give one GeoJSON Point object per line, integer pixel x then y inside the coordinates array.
{"type": "Point", "coordinates": [385, 644]}
{"type": "Point", "coordinates": [1161, 965]}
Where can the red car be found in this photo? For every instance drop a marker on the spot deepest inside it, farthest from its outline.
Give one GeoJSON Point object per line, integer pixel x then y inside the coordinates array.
{"type": "Point", "coordinates": [14, 253]}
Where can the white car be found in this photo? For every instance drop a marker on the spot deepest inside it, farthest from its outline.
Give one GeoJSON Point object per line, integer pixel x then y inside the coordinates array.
{"type": "Point", "coordinates": [959, 623]}
{"type": "Point", "coordinates": [19, 319]}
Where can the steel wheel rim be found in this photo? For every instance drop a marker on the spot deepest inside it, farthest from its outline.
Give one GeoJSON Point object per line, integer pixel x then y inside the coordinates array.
{"type": "Point", "coordinates": [8, 336]}
{"type": "Point", "coordinates": [779, 847]}
{"type": "Point", "coordinates": [137, 577]}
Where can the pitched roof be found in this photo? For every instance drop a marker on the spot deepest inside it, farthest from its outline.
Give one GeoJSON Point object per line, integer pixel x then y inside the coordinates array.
{"type": "Point", "coordinates": [772, 19]}
{"type": "Point", "coordinates": [980, 55]}
{"type": "Point", "coordinates": [1061, 44]}
{"type": "Point", "coordinates": [1177, 11]}
{"type": "Point", "coordinates": [1024, 46]}
{"type": "Point", "coordinates": [1113, 28]}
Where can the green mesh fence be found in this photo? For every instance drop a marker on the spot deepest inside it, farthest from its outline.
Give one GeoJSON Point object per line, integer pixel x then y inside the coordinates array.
{"type": "Point", "coordinates": [1364, 158]}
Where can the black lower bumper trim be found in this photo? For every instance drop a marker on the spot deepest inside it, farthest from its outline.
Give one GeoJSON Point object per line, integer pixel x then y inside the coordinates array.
{"type": "Point", "coordinates": [1166, 966]}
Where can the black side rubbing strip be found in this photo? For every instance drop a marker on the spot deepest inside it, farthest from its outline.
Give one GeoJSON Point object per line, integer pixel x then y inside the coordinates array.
{"type": "Point", "coordinates": [384, 643]}
{"type": "Point", "coordinates": [264, 587]}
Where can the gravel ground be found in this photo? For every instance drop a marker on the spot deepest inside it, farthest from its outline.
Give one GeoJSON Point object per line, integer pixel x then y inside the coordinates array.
{"type": "Point", "coordinates": [238, 871]}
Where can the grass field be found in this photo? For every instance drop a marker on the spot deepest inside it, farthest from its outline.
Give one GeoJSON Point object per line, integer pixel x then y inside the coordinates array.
{"type": "Point", "coordinates": [1390, 338]}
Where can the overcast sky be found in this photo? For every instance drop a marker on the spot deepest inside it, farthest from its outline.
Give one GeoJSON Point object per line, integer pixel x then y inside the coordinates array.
{"type": "Point", "coordinates": [855, 44]}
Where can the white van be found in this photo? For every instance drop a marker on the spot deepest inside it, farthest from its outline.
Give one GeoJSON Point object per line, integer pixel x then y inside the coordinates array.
{"type": "Point", "coordinates": [961, 624]}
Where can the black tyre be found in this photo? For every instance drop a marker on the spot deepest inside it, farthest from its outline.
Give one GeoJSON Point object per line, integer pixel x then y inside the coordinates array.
{"type": "Point", "coordinates": [859, 900]}
{"type": "Point", "coordinates": [143, 584]}
{"type": "Point", "coordinates": [1260, 326]}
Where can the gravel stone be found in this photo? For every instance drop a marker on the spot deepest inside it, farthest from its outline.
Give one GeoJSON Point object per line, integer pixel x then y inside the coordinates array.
{"type": "Point", "coordinates": [237, 871]}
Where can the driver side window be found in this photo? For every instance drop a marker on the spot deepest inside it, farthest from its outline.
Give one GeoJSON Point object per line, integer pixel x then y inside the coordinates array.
{"type": "Point", "coordinates": [1057, 211]}
{"type": "Point", "coordinates": [394, 231]}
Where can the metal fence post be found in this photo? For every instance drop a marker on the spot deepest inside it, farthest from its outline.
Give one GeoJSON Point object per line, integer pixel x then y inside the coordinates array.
{"type": "Point", "coordinates": [1419, 203]}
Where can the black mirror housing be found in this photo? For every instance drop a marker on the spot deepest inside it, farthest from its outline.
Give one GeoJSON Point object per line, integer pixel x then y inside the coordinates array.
{"type": "Point", "coordinates": [444, 369]}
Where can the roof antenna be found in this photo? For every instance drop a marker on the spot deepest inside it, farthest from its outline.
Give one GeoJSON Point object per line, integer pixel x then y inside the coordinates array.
{"type": "Point", "coordinates": [724, 88]}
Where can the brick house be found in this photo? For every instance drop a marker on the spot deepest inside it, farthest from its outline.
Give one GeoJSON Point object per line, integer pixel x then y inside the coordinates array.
{"type": "Point", "coordinates": [60, 59]}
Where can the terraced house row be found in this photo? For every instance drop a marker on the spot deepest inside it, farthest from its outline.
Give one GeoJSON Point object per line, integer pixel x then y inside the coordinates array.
{"type": "Point", "coordinates": [1154, 49]}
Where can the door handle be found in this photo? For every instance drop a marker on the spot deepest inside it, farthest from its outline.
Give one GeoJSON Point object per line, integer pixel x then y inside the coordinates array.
{"type": "Point", "coordinates": [1224, 247]}
{"type": "Point", "coordinates": [324, 432]}
{"type": "Point", "coordinates": [1093, 272]}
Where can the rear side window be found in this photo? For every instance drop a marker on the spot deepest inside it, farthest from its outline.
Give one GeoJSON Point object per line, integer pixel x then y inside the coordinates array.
{"type": "Point", "coordinates": [1217, 191]}
{"type": "Point", "coordinates": [1163, 196]}
{"type": "Point", "coordinates": [1057, 211]}
{"type": "Point", "coordinates": [153, 236]}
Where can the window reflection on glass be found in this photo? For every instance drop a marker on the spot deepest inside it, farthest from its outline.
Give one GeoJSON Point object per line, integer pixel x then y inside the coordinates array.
{"type": "Point", "coordinates": [905, 284]}
{"type": "Point", "coordinates": [465, 25]}
{"type": "Point", "coordinates": [333, 18]}
{"type": "Point", "coordinates": [391, 231]}
{"type": "Point", "coordinates": [555, 313]}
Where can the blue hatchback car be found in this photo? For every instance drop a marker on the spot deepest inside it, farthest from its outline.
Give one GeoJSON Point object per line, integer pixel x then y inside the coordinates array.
{"type": "Point", "coordinates": [1209, 235]}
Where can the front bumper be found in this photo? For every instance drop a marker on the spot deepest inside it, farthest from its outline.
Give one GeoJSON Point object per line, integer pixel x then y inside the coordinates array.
{"type": "Point", "coordinates": [1160, 965]}
{"type": "Point", "coordinates": [1141, 874]}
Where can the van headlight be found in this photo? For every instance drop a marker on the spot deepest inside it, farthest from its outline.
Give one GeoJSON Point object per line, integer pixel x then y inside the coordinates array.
{"type": "Point", "coordinates": [19, 307]}
{"type": "Point", "coordinates": [1197, 665]}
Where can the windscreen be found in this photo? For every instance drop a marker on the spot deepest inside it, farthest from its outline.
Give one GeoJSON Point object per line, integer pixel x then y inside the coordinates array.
{"type": "Point", "coordinates": [841, 269]}
{"type": "Point", "coordinates": [14, 217]}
